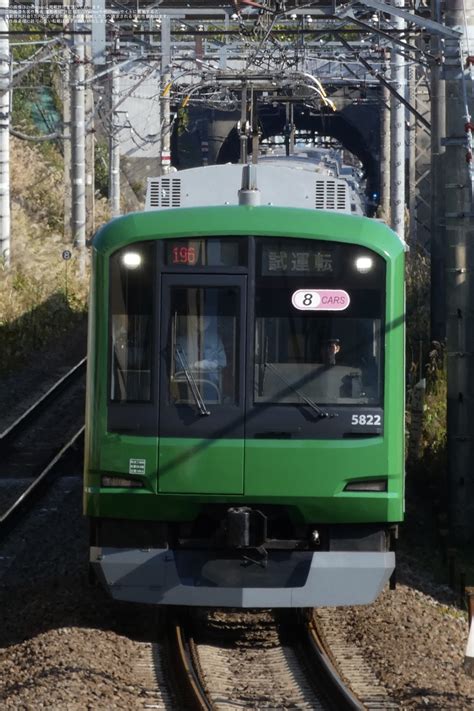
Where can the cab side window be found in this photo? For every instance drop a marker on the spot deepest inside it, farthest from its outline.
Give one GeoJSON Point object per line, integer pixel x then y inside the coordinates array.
{"type": "Point", "coordinates": [131, 287]}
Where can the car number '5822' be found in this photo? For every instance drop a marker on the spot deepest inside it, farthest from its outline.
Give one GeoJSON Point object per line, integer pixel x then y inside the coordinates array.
{"type": "Point", "coordinates": [366, 420]}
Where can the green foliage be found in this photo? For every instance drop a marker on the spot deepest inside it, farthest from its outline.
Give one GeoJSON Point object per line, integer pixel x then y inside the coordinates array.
{"type": "Point", "coordinates": [426, 359]}
{"type": "Point", "coordinates": [33, 32]}
{"type": "Point", "coordinates": [101, 168]}
{"type": "Point", "coordinates": [418, 304]}
{"type": "Point", "coordinates": [183, 121]}
{"type": "Point", "coordinates": [29, 91]}
{"type": "Point", "coordinates": [436, 402]}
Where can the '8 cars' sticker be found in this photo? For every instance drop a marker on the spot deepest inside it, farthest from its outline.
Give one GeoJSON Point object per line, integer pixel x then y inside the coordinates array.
{"type": "Point", "coordinates": [320, 299]}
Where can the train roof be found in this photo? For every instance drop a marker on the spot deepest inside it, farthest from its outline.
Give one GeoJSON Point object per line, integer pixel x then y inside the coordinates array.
{"type": "Point", "coordinates": [315, 160]}
{"type": "Point", "coordinates": [281, 182]}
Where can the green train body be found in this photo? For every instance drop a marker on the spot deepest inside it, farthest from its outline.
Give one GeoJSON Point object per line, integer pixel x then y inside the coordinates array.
{"type": "Point", "coordinates": [246, 483]}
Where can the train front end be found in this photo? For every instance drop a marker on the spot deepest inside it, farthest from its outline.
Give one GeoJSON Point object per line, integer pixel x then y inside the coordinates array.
{"type": "Point", "coordinates": [245, 407]}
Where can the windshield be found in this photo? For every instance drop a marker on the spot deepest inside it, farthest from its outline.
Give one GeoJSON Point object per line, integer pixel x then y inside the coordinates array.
{"type": "Point", "coordinates": [204, 337]}
{"type": "Point", "coordinates": [318, 324]}
{"type": "Point", "coordinates": [267, 337]}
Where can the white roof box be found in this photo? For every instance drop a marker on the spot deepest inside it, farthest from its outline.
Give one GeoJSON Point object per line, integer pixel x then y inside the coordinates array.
{"type": "Point", "coordinates": [220, 185]}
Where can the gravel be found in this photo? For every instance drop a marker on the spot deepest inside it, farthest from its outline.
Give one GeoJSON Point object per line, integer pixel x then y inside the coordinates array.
{"type": "Point", "coordinates": [63, 643]}
{"type": "Point", "coordinates": [414, 638]}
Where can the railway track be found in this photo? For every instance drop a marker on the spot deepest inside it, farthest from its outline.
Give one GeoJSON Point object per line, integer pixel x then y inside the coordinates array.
{"type": "Point", "coordinates": [32, 413]}
{"type": "Point", "coordinates": [222, 660]}
{"type": "Point", "coordinates": [32, 447]}
{"type": "Point", "coordinates": [186, 669]}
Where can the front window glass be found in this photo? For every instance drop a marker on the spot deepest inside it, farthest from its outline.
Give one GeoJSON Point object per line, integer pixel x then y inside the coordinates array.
{"type": "Point", "coordinates": [318, 324]}
{"type": "Point", "coordinates": [132, 303]}
{"type": "Point", "coordinates": [204, 339]}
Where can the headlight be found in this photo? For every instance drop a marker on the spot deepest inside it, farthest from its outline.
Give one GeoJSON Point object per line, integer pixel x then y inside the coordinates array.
{"type": "Point", "coordinates": [131, 260]}
{"type": "Point", "coordinates": [364, 264]}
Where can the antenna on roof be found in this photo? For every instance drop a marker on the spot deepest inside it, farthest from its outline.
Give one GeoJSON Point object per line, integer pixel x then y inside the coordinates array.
{"type": "Point", "coordinates": [249, 194]}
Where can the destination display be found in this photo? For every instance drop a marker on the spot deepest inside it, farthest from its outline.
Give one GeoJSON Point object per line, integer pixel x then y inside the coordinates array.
{"type": "Point", "coordinates": [205, 253]}
{"type": "Point", "coordinates": [311, 260]}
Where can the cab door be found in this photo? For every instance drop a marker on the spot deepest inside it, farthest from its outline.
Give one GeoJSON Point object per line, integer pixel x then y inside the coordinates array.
{"type": "Point", "coordinates": [201, 408]}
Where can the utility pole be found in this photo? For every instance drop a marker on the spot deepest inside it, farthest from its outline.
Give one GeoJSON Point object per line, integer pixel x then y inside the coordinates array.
{"type": "Point", "coordinates": [412, 202]}
{"type": "Point", "coordinates": [66, 100]}
{"type": "Point", "coordinates": [397, 158]}
{"type": "Point", "coordinates": [114, 144]}
{"type": "Point", "coordinates": [4, 136]}
{"type": "Point", "coordinates": [385, 155]}
{"type": "Point", "coordinates": [89, 136]}
{"type": "Point", "coordinates": [437, 222]}
{"type": "Point", "coordinates": [78, 144]}
{"type": "Point", "coordinates": [166, 101]}
{"type": "Point", "coordinates": [459, 274]}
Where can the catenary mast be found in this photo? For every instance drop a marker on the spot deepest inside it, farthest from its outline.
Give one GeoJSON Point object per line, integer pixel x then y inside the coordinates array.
{"type": "Point", "coordinates": [438, 132]}
{"type": "Point", "coordinates": [459, 261]}
{"type": "Point", "coordinates": [4, 136]}
{"type": "Point", "coordinates": [78, 141]}
{"type": "Point", "coordinates": [397, 160]}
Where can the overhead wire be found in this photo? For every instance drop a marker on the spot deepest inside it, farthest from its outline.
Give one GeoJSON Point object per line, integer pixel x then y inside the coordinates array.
{"type": "Point", "coordinates": [267, 53]}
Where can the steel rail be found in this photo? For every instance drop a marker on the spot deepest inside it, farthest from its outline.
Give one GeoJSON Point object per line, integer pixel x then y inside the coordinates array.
{"type": "Point", "coordinates": [26, 418]}
{"type": "Point", "coordinates": [313, 658]}
{"type": "Point", "coordinates": [9, 518]}
{"type": "Point", "coordinates": [185, 669]}
{"type": "Point", "coordinates": [321, 668]}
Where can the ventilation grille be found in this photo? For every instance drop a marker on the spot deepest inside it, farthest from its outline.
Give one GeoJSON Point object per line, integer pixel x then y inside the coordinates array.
{"type": "Point", "coordinates": [191, 188]}
{"type": "Point", "coordinates": [164, 192]}
{"type": "Point", "coordinates": [341, 194]}
{"type": "Point", "coordinates": [331, 195]}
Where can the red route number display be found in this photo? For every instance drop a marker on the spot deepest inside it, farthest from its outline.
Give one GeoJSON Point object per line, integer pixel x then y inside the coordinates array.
{"type": "Point", "coordinates": [213, 252]}
{"type": "Point", "coordinates": [183, 255]}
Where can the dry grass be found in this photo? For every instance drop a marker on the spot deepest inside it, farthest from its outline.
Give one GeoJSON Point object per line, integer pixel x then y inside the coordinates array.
{"type": "Point", "coordinates": [35, 306]}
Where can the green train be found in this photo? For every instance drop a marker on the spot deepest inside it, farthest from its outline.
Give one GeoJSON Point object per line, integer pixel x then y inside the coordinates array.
{"type": "Point", "coordinates": [245, 395]}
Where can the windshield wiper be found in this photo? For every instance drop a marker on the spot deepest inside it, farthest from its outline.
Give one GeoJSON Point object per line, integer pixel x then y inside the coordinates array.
{"type": "Point", "coordinates": [318, 410]}
{"type": "Point", "coordinates": [192, 383]}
